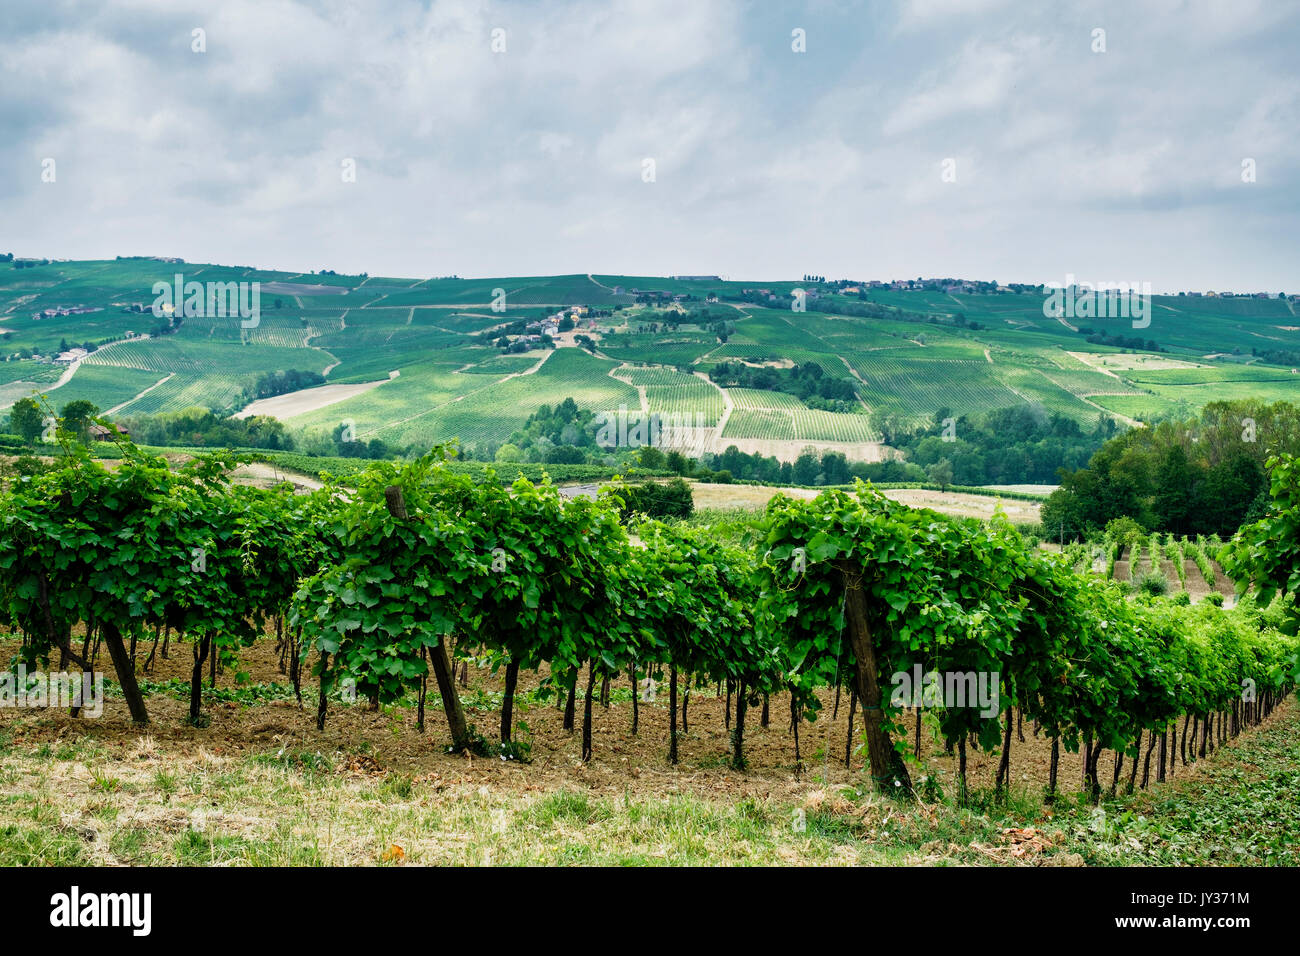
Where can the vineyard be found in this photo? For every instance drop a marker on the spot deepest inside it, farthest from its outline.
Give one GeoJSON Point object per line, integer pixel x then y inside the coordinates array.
{"type": "Point", "coordinates": [684, 397]}
{"type": "Point", "coordinates": [1185, 568]}
{"type": "Point", "coordinates": [391, 592]}
{"type": "Point", "coordinates": [907, 358]}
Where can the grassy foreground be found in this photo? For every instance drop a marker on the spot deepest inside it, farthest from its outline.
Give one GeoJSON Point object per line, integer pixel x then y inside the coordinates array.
{"type": "Point", "coordinates": [80, 801]}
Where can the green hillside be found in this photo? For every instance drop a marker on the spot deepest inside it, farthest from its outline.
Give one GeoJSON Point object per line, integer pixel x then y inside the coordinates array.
{"type": "Point", "coordinates": [904, 355]}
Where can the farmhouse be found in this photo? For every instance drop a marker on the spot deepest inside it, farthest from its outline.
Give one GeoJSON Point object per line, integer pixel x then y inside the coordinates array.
{"type": "Point", "coordinates": [100, 433]}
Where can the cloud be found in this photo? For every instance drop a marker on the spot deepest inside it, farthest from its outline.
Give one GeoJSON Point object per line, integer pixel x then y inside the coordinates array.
{"type": "Point", "coordinates": [922, 14]}
{"type": "Point", "coordinates": [979, 78]}
{"type": "Point", "coordinates": [769, 162]}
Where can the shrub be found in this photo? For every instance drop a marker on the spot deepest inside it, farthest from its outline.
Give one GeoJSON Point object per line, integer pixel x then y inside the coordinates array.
{"type": "Point", "coordinates": [671, 499]}
{"type": "Point", "coordinates": [1153, 583]}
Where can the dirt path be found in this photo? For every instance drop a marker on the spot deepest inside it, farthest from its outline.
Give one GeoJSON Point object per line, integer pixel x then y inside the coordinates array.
{"type": "Point", "coordinates": [727, 406]}
{"type": "Point", "coordinates": [642, 397]}
{"type": "Point", "coordinates": [66, 377]}
{"type": "Point", "coordinates": [458, 398]}
{"type": "Point", "coordinates": [532, 369]}
{"type": "Point", "coordinates": [139, 395]}
{"type": "Point", "coordinates": [1130, 422]}
{"type": "Point", "coordinates": [312, 333]}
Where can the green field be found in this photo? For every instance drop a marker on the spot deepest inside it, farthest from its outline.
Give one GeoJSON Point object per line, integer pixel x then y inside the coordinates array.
{"type": "Point", "coordinates": [916, 353]}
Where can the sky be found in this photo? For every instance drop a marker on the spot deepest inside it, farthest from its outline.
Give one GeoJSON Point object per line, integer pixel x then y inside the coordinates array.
{"type": "Point", "coordinates": [1133, 141]}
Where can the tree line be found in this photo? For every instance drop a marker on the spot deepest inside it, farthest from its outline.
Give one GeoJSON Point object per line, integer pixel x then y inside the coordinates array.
{"type": "Point", "coordinates": [1203, 475]}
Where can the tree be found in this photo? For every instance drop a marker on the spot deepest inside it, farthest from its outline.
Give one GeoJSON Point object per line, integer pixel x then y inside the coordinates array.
{"type": "Point", "coordinates": [652, 458]}
{"type": "Point", "coordinates": [1172, 502]}
{"type": "Point", "coordinates": [78, 416]}
{"type": "Point", "coordinates": [1230, 488]}
{"type": "Point", "coordinates": [940, 473]}
{"type": "Point", "coordinates": [806, 468]}
{"type": "Point", "coordinates": [835, 469]}
{"type": "Point", "coordinates": [26, 420]}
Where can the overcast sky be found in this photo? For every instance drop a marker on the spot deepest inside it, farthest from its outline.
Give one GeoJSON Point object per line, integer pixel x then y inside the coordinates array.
{"type": "Point", "coordinates": [1123, 165]}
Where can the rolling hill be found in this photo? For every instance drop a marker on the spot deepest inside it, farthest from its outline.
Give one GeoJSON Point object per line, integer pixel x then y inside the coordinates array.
{"type": "Point", "coordinates": [430, 350]}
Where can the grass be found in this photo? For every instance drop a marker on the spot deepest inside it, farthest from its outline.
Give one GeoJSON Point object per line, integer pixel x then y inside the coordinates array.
{"type": "Point", "coordinates": [299, 807]}
{"type": "Point", "coordinates": [292, 808]}
{"type": "Point", "coordinates": [1243, 810]}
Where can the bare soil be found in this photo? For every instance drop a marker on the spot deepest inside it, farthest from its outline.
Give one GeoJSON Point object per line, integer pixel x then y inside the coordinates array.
{"type": "Point", "coordinates": [388, 739]}
{"type": "Point", "coordinates": [306, 400]}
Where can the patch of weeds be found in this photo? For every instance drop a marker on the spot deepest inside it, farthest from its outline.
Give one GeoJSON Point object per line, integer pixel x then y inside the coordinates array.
{"type": "Point", "coordinates": [302, 761]}
{"type": "Point", "coordinates": [397, 785]}
{"type": "Point", "coordinates": [567, 806]}
{"type": "Point", "coordinates": [104, 782]}
{"type": "Point", "coordinates": [520, 748]}
{"type": "Point", "coordinates": [66, 752]}
{"type": "Point", "coordinates": [228, 780]}
{"type": "Point", "coordinates": [751, 811]}
{"type": "Point", "coordinates": [128, 843]}
{"type": "Point", "coordinates": [718, 761]}
{"type": "Point", "coordinates": [164, 782]}
{"type": "Point", "coordinates": [834, 827]}
{"type": "Point", "coordinates": [478, 745]}
{"type": "Point", "coordinates": [930, 790]}
{"type": "Point", "coordinates": [482, 700]}
{"type": "Point", "coordinates": [42, 846]}
{"type": "Point", "coordinates": [284, 848]}
{"type": "Point", "coordinates": [244, 693]}
{"type": "Point", "coordinates": [193, 848]}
